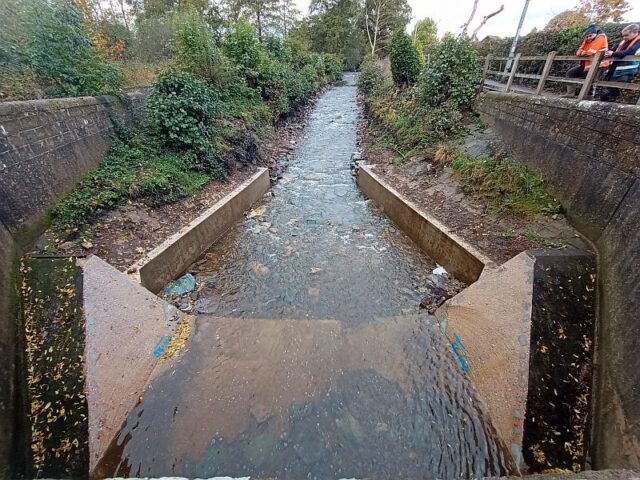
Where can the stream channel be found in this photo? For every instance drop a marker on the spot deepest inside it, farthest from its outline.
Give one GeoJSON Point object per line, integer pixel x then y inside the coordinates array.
{"type": "Point", "coordinates": [309, 356]}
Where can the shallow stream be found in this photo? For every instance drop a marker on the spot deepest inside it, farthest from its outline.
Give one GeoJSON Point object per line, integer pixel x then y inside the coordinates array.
{"type": "Point", "coordinates": [309, 356]}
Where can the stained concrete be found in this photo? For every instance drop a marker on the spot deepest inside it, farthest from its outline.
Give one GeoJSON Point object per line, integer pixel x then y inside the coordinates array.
{"type": "Point", "coordinates": [178, 252]}
{"type": "Point", "coordinates": [588, 152]}
{"type": "Point", "coordinates": [127, 330]}
{"type": "Point", "coordinates": [454, 254]}
{"type": "Point", "coordinates": [8, 340]}
{"type": "Point", "coordinates": [524, 334]}
{"type": "Point", "coordinates": [488, 325]}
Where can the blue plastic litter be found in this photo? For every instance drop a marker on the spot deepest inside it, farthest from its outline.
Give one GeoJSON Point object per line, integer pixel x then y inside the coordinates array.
{"type": "Point", "coordinates": [185, 284]}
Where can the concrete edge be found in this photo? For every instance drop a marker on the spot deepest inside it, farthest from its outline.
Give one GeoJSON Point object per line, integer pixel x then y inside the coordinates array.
{"type": "Point", "coordinates": [457, 256]}
{"type": "Point", "coordinates": [173, 256]}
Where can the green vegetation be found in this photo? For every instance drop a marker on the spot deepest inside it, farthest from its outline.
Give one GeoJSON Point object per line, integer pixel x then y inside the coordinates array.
{"type": "Point", "coordinates": [427, 117]}
{"type": "Point", "coordinates": [405, 59]}
{"type": "Point", "coordinates": [46, 41]}
{"type": "Point", "coordinates": [511, 188]}
{"type": "Point", "coordinates": [431, 111]}
{"type": "Point", "coordinates": [218, 92]}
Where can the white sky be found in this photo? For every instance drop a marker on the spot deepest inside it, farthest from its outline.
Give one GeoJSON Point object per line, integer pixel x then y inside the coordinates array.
{"type": "Point", "coordinates": [451, 14]}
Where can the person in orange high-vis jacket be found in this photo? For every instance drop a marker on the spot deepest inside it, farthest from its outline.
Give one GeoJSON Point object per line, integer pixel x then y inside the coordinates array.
{"type": "Point", "coordinates": [594, 41]}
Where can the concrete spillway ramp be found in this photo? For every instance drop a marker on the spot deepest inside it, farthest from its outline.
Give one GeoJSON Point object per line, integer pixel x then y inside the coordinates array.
{"type": "Point", "coordinates": [127, 331]}
{"type": "Point", "coordinates": [524, 334]}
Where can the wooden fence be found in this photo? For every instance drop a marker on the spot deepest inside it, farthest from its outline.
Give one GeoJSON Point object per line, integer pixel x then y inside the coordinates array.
{"type": "Point", "coordinates": [545, 76]}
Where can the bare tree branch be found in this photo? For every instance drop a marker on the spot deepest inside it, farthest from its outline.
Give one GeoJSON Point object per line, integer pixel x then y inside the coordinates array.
{"type": "Point", "coordinates": [473, 14]}
{"type": "Point", "coordinates": [474, 35]}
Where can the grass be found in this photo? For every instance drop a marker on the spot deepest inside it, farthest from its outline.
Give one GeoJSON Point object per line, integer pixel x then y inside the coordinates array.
{"type": "Point", "coordinates": [132, 169]}
{"type": "Point", "coordinates": [509, 187]}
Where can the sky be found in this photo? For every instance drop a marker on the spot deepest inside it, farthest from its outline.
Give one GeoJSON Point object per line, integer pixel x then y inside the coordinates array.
{"type": "Point", "coordinates": [451, 14]}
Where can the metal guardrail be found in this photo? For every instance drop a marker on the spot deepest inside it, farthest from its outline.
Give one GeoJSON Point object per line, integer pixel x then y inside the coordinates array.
{"type": "Point", "coordinates": [587, 83]}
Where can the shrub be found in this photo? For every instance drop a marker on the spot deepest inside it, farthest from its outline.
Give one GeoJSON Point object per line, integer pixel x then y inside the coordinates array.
{"type": "Point", "coordinates": [405, 60]}
{"type": "Point", "coordinates": [371, 76]}
{"type": "Point", "coordinates": [196, 52]}
{"type": "Point", "coordinates": [333, 66]}
{"type": "Point", "coordinates": [180, 110]}
{"type": "Point", "coordinates": [242, 46]}
{"type": "Point", "coordinates": [452, 76]}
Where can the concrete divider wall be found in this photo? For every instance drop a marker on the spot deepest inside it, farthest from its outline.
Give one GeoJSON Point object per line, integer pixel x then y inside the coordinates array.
{"type": "Point", "coordinates": [46, 146]}
{"type": "Point", "coordinates": [178, 252]}
{"type": "Point", "coordinates": [589, 155]}
{"type": "Point", "coordinates": [457, 257]}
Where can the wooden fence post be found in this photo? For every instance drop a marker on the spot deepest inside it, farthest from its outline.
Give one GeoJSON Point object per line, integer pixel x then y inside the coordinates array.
{"type": "Point", "coordinates": [545, 72]}
{"type": "Point", "coordinates": [487, 63]}
{"type": "Point", "coordinates": [591, 76]}
{"type": "Point", "coordinates": [514, 69]}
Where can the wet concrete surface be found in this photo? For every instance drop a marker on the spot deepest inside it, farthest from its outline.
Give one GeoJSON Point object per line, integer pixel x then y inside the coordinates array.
{"type": "Point", "coordinates": [309, 357]}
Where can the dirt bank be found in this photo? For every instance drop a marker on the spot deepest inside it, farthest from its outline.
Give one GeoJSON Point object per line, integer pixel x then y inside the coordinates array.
{"type": "Point", "coordinates": [125, 234]}
{"type": "Point", "coordinates": [434, 189]}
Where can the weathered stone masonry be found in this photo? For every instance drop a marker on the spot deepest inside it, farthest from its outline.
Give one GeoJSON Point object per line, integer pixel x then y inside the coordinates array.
{"type": "Point", "coordinates": [46, 146]}
{"type": "Point", "coordinates": [589, 155]}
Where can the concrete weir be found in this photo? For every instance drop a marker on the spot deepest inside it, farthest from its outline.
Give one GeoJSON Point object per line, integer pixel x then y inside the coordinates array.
{"type": "Point", "coordinates": [523, 332]}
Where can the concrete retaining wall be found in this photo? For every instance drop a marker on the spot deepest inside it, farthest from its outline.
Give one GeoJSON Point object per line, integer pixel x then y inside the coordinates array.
{"type": "Point", "coordinates": [178, 252]}
{"type": "Point", "coordinates": [589, 155]}
{"type": "Point", "coordinates": [453, 253]}
{"type": "Point", "coordinates": [46, 146]}
{"type": "Point", "coordinates": [8, 340]}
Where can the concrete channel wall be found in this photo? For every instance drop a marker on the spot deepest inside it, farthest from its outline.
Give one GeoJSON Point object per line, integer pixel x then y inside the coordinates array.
{"type": "Point", "coordinates": [589, 155]}
{"type": "Point", "coordinates": [171, 258]}
{"type": "Point", "coordinates": [453, 253]}
{"type": "Point", "coordinates": [46, 146]}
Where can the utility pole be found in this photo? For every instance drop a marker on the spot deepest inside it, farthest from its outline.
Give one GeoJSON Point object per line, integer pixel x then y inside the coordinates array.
{"type": "Point", "coordinates": [516, 38]}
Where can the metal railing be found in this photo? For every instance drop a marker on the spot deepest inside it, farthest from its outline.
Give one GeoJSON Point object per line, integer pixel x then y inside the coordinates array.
{"type": "Point", "coordinates": [545, 76]}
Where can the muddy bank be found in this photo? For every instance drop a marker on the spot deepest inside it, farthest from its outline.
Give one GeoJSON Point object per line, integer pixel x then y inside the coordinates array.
{"type": "Point", "coordinates": [125, 234]}
{"type": "Point", "coordinates": [433, 188]}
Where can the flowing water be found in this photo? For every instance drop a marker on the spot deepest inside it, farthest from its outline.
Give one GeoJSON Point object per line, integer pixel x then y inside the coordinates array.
{"type": "Point", "coordinates": [309, 357]}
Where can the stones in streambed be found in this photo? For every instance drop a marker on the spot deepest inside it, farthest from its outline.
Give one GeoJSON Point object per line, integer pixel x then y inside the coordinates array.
{"type": "Point", "coordinates": [354, 164]}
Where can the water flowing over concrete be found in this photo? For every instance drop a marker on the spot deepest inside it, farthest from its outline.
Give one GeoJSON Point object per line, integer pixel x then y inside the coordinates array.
{"type": "Point", "coordinates": [309, 357]}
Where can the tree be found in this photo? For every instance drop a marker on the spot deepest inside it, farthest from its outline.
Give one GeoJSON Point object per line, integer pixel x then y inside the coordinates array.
{"type": "Point", "coordinates": [405, 60]}
{"type": "Point", "coordinates": [333, 28]}
{"type": "Point", "coordinates": [601, 11]}
{"type": "Point", "coordinates": [262, 14]}
{"type": "Point", "coordinates": [288, 15]}
{"type": "Point", "coordinates": [425, 34]}
{"type": "Point", "coordinates": [382, 18]}
{"type": "Point", "coordinates": [567, 19]}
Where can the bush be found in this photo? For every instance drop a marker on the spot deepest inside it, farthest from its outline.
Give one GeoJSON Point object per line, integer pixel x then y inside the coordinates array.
{"type": "Point", "coordinates": [196, 52]}
{"type": "Point", "coordinates": [333, 66]}
{"type": "Point", "coordinates": [452, 76]}
{"type": "Point", "coordinates": [180, 110]}
{"type": "Point", "coordinates": [405, 59]}
{"type": "Point", "coordinates": [242, 46]}
{"type": "Point", "coordinates": [371, 76]}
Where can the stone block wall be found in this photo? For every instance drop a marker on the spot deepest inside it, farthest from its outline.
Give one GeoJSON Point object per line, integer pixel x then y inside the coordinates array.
{"type": "Point", "coordinates": [589, 155]}
{"type": "Point", "coordinates": [46, 146]}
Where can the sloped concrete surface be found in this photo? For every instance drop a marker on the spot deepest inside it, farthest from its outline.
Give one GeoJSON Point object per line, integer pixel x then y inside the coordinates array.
{"type": "Point", "coordinates": [127, 330]}
{"type": "Point", "coordinates": [488, 325]}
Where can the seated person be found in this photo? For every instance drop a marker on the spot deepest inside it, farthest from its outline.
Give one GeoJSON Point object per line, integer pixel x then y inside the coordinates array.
{"type": "Point", "coordinates": [624, 71]}
{"type": "Point", "coordinates": [594, 41]}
